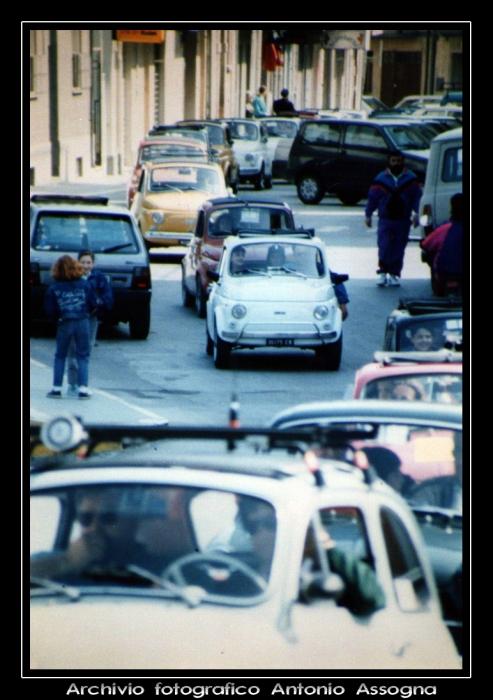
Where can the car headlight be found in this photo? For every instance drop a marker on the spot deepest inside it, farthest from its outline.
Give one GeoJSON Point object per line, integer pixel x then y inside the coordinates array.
{"type": "Point", "coordinates": [238, 311]}
{"type": "Point", "coordinates": [250, 158]}
{"type": "Point", "coordinates": [158, 217]}
{"type": "Point", "coordinates": [321, 312]}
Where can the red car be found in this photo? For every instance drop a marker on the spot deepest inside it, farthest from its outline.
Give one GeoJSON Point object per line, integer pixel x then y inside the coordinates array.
{"type": "Point", "coordinates": [159, 149]}
{"type": "Point", "coordinates": [217, 219]}
{"type": "Point", "coordinates": [411, 376]}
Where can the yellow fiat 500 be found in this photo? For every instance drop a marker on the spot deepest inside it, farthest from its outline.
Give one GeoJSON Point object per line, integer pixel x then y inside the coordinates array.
{"type": "Point", "coordinates": [168, 198]}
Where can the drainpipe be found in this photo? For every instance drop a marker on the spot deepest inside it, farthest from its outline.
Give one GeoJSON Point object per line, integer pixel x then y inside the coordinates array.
{"type": "Point", "coordinates": [53, 103]}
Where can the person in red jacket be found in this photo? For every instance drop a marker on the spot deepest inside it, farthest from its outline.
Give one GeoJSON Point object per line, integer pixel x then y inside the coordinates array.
{"type": "Point", "coordinates": [443, 252]}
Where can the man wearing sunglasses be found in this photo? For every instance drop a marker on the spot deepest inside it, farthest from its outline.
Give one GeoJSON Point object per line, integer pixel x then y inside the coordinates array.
{"type": "Point", "coordinates": [107, 538]}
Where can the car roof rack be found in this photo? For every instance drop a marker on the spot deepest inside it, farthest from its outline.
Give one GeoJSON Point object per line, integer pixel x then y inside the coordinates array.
{"type": "Point", "coordinates": [430, 305]}
{"type": "Point", "coordinates": [69, 199]}
{"type": "Point", "coordinates": [296, 233]}
{"type": "Point", "coordinates": [397, 357]}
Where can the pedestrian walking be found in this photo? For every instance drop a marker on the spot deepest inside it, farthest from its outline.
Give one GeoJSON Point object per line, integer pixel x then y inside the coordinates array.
{"type": "Point", "coordinates": [442, 250]}
{"type": "Point", "coordinates": [284, 106]}
{"type": "Point", "coordinates": [395, 193]}
{"type": "Point", "coordinates": [259, 106]}
{"type": "Point", "coordinates": [69, 302]}
{"type": "Point", "coordinates": [104, 297]}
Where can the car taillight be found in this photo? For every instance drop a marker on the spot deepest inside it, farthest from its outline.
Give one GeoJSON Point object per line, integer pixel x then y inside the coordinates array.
{"type": "Point", "coordinates": [141, 278]}
{"type": "Point", "coordinates": [426, 220]}
{"type": "Point", "coordinates": [34, 277]}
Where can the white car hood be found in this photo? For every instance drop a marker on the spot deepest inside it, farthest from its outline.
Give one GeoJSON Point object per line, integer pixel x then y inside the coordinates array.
{"type": "Point", "coordinates": [278, 288]}
{"type": "Point", "coordinates": [128, 633]}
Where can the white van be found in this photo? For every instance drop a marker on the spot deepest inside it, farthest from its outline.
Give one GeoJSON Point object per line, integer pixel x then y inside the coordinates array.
{"type": "Point", "coordinates": [443, 179]}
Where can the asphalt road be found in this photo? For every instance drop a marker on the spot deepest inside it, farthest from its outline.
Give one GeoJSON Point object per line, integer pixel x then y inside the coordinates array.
{"type": "Point", "coordinates": [169, 377]}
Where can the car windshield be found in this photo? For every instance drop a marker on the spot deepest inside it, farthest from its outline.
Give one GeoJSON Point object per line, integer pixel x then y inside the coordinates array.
{"type": "Point", "coordinates": [244, 131]}
{"type": "Point", "coordinates": [174, 540]}
{"type": "Point", "coordinates": [185, 177]}
{"type": "Point", "coordinates": [406, 136]}
{"type": "Point", "coordinates": [285, 129]}
{"type": "Point", "coordinates": [155, 152]}
{"type": "Point", "coordinates": [436, 387]}
{"type": "Point", "coordinates": [425, 335]}
{"type": "Point", "coordinates": [278, 258]}
{"type": "Point", "coordinates": [71, 232]}
{"type": "Point", "coordinates": [227, 220]}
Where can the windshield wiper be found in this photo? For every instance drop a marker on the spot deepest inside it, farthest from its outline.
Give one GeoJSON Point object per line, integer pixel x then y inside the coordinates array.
{"type": "Point", "coordinates": [252, 271]}
{"type": "Point", "coordinates": [193, 595]}
{"type": "Point", "coordinates": [54, 587]}
{"type": "Point", "coordinates": [115, 247]}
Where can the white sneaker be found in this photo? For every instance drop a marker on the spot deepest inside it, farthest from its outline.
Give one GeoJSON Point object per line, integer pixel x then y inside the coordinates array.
{"type": "Point", "coordinates": [394, 281]}
{"type": "Point", "coordinates": [382, 282]}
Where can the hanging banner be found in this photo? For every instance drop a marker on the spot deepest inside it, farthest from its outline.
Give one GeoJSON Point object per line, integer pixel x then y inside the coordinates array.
{"type": "Point", "coordinates": [141, 36]}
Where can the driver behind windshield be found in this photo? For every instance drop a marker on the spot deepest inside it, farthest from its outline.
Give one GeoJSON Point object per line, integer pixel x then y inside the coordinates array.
{"type": "Point", "coordinates": [118, 527]}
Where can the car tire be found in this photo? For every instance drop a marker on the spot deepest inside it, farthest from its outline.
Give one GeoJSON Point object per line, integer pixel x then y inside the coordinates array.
{"type": "Point", "coordinates": [259, 181]}
{"type": "Point", "coordinates": [221, 352]}
{"type": "Point", "coordinates": [310, 190]}
{"type": "Point", "coordinates": [187, 298]}
{"type": "Point", "coordinates": [200, 298]}
{"type": "Point", "coordinates": [349, 197]}
{"type": "Point", "coordinates": [209, 344]}
{"type": "Point", "coordinates": [139, 325]}
{"type": "Point", "coordinates": [268, 182]}
{"type": "Point", "coordinates": [331, 355]}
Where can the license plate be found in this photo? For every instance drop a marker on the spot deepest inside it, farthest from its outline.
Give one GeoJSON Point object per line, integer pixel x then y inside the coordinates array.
{"type": "Point", "coordinates": [280, 342]}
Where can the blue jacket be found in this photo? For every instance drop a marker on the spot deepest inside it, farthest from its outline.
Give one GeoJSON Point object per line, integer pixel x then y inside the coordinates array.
{"type": "Point", "coordinates": [102, 287]}
{"type": "Point", "coordinates": [395, 201]}
{"type": "Point", "coordinates": [70, 300]}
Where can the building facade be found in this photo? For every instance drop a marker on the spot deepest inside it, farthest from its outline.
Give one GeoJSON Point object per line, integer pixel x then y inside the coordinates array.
{"type": "Point", "coordinates": [95, 93]}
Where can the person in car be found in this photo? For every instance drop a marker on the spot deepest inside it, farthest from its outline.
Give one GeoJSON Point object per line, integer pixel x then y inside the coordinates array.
{"type": "Point", "coordinates": [276, 256]}
{"type": "Point", "coordinates": [410, 390]}
{"type": "Point", "coordinates": [237, 263]}
{"type": "Point", "coordinates": [421, 339]}
{"type": "Point", "coordinates": [69, 303]}
{"type": "Point", "coordinates": [395, 193]}
{"type": "Point", "coordinates": [388, 467]}
{"type": "Point", "coordinates": [107, 539]}
{"type": "Point", "coordinates": [104, 296]}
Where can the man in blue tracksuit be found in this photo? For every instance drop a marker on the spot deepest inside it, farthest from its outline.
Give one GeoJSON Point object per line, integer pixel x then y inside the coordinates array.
{"type": "Point", "coordinates": [396, 193]}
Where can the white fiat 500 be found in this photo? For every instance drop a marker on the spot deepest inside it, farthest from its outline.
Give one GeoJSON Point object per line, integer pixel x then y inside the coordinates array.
{"type": "Point", "coordinates": [273, 291]}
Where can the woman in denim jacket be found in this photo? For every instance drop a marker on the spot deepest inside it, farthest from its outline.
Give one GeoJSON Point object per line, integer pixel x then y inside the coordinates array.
{"type": "Point", "coordinates": [69, 302]}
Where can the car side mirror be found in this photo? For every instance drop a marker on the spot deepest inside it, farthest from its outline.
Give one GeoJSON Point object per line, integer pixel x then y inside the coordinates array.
{"type": "Point", "coordinates": [212, 275]}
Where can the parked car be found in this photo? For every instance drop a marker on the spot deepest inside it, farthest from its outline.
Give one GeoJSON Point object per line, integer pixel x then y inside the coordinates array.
{"type": "Point", "coordinates": [168, 197]}
{"type": "Point", "coordinates": [280, 296]}
{"type": "Point", "coordinates": [250, 146]}
{"type": "Point", "coordinates": [412, 102]}
{"type": "Point", "coordinates": [163, 148]}
{"type": "Point", "coordinates": [416, 448]}
{"type": "Point", "coordinates": [222, 146]}
{"type": "Point", "coordinates": [215, 558]}
{"type": "Point", "coordinates": [424, 325]}
{"type": "Point", "coordinates": [217, 219]}
{"type": "Point", "coordinates": [407, 376]}
{"type": "Point", "coordinates": [62, 224]}
{"type": "Point", "coordinates": [281, 132]}
{"type": "Point", "coordinates": [344, 156]}
{"type": "Point", "coordinates": [443, 179]}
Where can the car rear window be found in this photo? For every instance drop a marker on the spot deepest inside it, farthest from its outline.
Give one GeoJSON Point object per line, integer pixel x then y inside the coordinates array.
{"type": "Point", "coordinates": [452, 165]}
{"type": "Point", "coordinates": [71, 232]}
{"type": "Point", "coordinates": [225, 221]}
